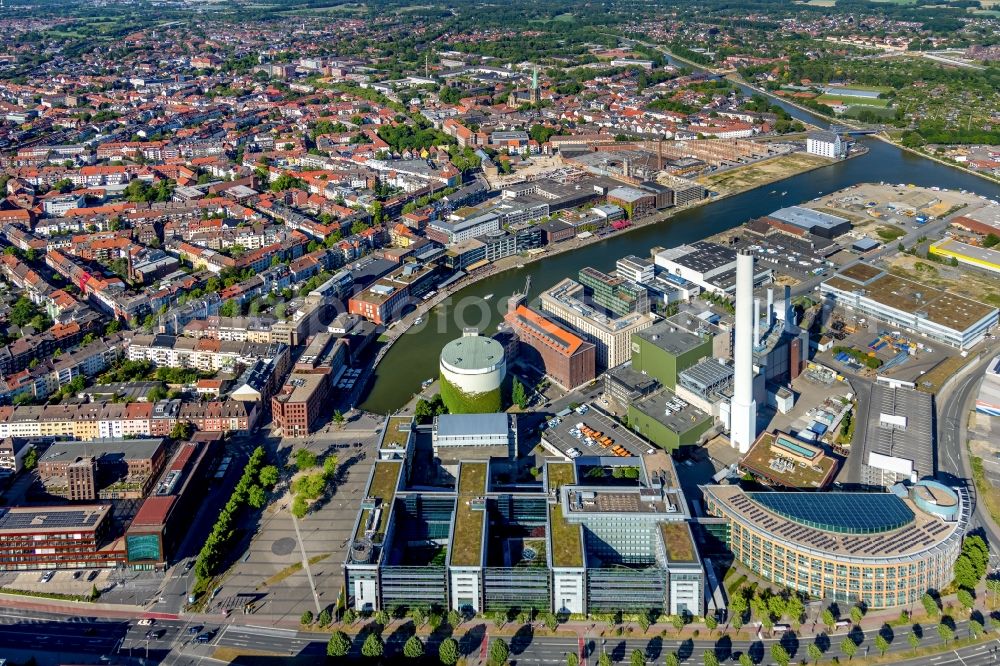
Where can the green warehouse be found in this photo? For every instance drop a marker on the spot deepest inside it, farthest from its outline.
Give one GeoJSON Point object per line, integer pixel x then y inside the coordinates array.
{"type": "Point", "coordinates": [663, 350]}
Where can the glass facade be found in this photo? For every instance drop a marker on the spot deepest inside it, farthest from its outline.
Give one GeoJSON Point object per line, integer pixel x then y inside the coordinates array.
{"type": "Point", "coordinates": [517, 587]}
{"type": "Point", "coordinates": [414, 586]}
{"type": "Point", "coordinates": [610, 590]}
{"type": "Point", "coordinates": [143, 547]}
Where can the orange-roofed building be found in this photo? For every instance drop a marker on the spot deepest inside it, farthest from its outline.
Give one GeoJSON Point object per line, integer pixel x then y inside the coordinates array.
{"type": "Point", "coordinates": [568, 359]}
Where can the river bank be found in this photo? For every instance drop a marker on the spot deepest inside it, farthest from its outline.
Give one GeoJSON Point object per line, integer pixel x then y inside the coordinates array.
{"type": "Point", "coordinates": [881, 136]}
{"type": "Point", "coordinates": [404, 325]}
{"type": "Point", "coordinates": [766, 172]}
{"type": "Point", "coordinates": [913, 151]}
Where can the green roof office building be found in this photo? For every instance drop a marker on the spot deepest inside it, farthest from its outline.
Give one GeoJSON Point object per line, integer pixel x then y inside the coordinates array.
{"type": "Point", "coordinates": [578, 544]}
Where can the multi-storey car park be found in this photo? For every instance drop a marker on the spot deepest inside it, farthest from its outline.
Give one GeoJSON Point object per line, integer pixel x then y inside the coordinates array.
{"type": "Point", "coordinates": [582, 541]}
{"type": "Point", "coordinates": [885, 549]}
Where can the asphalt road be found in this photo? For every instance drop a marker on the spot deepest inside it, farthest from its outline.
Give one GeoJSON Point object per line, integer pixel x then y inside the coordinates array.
{"type": "Point", "coordinates": [119, 640]}
{"type": "Point", "coordinates": [30, 630]}
{"type": "Point", "coordinates": [953, 407]}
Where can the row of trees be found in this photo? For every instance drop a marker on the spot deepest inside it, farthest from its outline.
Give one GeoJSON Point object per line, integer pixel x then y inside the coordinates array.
{"type": "Point", "coordinates": [250, 490]}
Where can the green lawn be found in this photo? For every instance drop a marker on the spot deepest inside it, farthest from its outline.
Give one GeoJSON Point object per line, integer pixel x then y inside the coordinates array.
{"type": "Point", "coordinates": [889, 234]}
{"type": "Point", "coordinates": [852, 101]}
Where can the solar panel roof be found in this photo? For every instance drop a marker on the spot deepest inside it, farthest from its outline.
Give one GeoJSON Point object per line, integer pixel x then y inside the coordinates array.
{"type": "Point", "coordinates": [845, 513]}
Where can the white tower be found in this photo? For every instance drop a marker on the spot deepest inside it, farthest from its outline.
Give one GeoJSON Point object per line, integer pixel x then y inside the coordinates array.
{"type": "Point", "coordinates": [743, 416]}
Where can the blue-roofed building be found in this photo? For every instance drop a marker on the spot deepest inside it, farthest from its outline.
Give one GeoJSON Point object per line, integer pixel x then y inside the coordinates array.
{"type": "Point", "coordinates": [883, 549]}
{"type": "Point", "coordinates": [480, 431]}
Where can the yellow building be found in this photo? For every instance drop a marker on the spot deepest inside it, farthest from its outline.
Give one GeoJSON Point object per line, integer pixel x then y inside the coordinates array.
{"type": "Point", "coordinates": [963, 253]}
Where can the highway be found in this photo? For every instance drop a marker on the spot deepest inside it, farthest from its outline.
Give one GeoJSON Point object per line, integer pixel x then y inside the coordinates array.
{"type": "Point", "coordinates": [119, 641]}
{"type": "Point", "coordinates": [953, 406]}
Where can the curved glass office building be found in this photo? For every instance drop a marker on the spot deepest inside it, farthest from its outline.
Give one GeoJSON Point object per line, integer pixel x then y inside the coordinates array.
{"type": "Point", "coordinates": [885, 549]}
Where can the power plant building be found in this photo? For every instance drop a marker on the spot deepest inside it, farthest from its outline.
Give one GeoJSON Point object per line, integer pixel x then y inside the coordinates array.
{"type": "Point", "coordinates": [743, 412]}
{"type": "Point", "coordinates": [664, 350]}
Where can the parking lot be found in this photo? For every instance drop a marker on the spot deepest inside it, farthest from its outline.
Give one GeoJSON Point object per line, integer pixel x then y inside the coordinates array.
{"type": "Point", "coordinates": [560, 438]}
{"type": "Point", "coordinates": [790, 256]}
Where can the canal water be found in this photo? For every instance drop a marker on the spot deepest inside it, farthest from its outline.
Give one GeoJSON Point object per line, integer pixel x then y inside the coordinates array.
{"type": "Point", "coordinates": [414, 357]}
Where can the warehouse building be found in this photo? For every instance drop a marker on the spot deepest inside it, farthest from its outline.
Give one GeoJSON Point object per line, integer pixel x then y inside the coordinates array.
{"type": "Point", "coordinates": [988, 400]}
{"type": "Point", "coordinates": [911, 306]}
{"type": "Point", "coordinates": [899, 441]}
{"type": "Point", "coordinates": [611, 336]}
{"type": "Point", "coordinates": [708, 265]}
{"type": "Point", "coordinates": [969, 255]}
{"type": "Point", "coordinates": [811, 221]}
{"type": "Point", "coordinates": [568, 359]}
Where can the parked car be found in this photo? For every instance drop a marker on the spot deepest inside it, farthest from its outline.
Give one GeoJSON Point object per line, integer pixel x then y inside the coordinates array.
{"type": "Point", "coordinates": [47, 576]}
{"type": "Point", "coordinates": [92, 575]}
{"type": "Point", "coordinates": [146, 622]}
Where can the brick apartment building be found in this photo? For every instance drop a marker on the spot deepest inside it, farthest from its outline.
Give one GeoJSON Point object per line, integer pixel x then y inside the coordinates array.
{"type": "Point", "coordinates": [297, 406]}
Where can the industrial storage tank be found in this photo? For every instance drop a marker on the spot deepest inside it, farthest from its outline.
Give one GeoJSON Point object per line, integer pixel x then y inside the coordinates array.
{"type": "Point", "coordinates": [473, 368]}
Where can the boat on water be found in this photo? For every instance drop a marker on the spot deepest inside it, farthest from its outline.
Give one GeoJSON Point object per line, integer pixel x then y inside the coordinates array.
{"type": "Point", "coordinates": [488, 296]}
{"type": "Point", "coordinates": [784, 193]}
{"type": "Point", "coordinates": [426, 383]}
{"type": "Point", "coordinates": [774, 191]}
{"type": "Point", "coordinates": [418, 320]}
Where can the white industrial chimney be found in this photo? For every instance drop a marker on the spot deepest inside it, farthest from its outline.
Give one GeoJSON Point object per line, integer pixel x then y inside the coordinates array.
{"type": "Point", "coordinates": [756, 323]}
{"type": "Point", "coordinates": [770, 308]}
{"type": "Point", "coordinates": [743, 417]}
{"type": "Point", "coordinates": [789, 311]}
